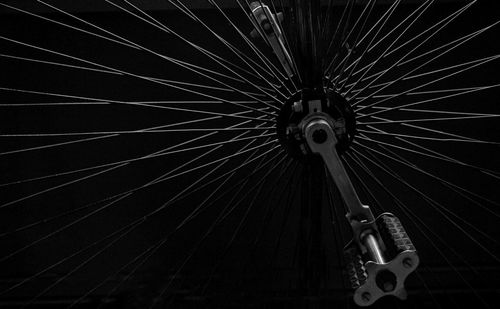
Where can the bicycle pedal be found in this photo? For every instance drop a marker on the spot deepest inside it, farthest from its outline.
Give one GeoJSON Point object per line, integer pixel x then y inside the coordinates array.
{"type": "Point", "coordinates": [355, 267]}
{"type": "Point", "coordinates": [379, 266]}
{"type": "Point", "coordinates": [393, 234]}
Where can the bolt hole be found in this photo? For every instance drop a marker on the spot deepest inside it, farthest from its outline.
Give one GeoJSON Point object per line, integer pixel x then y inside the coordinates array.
{"type": "Point", "coordinates": [319, 136]}
{"type": "Point", "coordinates": [386, 280]}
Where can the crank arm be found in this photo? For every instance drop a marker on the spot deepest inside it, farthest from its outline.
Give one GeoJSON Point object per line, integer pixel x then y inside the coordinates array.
{"type": "Point", "coordinates": [321, 140]}
{"type": "Point", "coordinates": [381, 255]}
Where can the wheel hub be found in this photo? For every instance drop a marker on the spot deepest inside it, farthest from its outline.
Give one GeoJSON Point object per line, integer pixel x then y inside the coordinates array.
{"type": "Point", "coordinates": [305, 104]}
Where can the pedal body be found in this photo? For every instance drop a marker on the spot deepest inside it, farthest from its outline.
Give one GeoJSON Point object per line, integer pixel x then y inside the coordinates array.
{"type": "Point", "coordinates": [372, 278]}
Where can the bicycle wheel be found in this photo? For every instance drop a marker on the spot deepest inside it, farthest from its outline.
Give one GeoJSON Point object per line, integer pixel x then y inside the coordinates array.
{"type": "Point", "coordinates": [145, 161]}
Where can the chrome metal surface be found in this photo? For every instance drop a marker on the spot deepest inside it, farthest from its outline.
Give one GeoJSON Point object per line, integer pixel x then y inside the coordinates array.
{"type": "Point", "coordinates": [326, 149]}
{"type": "Point", "coordinates": [373, 247]}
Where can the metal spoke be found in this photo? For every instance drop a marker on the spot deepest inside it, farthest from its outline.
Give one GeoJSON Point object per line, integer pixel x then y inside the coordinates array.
{"type": "Point", "coordinates": [438, 157]}
{"type": "Point", "coordinates": [71, 142]}
{"type": "Point", "coordinates": [347, 10]}
{"type": "Point", "coordinates": [209, 54]}
{"type": "Point", "coordinates": [426, 137]}
{"type": "Point", "coordinates": [121, 41]}
{"type": "Point", "coordinates": [424, 5]}
{"type": "Point", "coordinates": [455, 188]}
{"type": "Point", "coordinates": [114, 135]}
{"type": "Point", "coordinates": [162, 152]}
{"type": "Point", "coordinates": [133, 132]}
{"type": "Point", "coordinates": [242, 56]}
{"type": "Point", "coordinates": [152, 250]}
{"type": "Point", "coordinates": [424, 8]}
{"type": "Point", "coordinates": [494, 174]}
{"type": "Point", "coordinates": [443, 23]}
{"type": "Point", "coordinates": [387, 15]}
{"type": "Point", "coordinates": [420, 224]}
{"type": "Point", "coordinates": [291, 186]}
{"type": "Point", "coordinates": [170, 59]}
{"type": "Point", "coordinates": [97, 103]}
{"type": "Point", "coordinates": [129, 103]}
{"type": "Point", "coordinates": [121, 233]}
{"type": "Point", "coordinates": [427, 84]}
{"type": "Point", "coordinates": [346, 38]}
{"type": "Point", "coordinates": [65, 184]}
{"type": "Point", "coordinates": [468, 63]}
{"type": "Point", "coordinates": [126, 194]}
{"type": "Point", "coordinates": [431, 119]}
{"type": "Point", "coordinates": [454, 44]}
{"type": "Point", "coordinates": [436, 205]}
{"type": "Point", "coordinates": [125, 162]}
{"type": "Point", "coordinates": [223, 214]}
{"type": "Point", "coordinates": [355, 43]}
{"type": "Point", "coordinates": [169, 81]}
{"type": "Point", "coordinates": [439, 132]}
{"type": "Point", "coordinates": [108, 164]}
{"type": "Point", "coordinates": [446, 21]}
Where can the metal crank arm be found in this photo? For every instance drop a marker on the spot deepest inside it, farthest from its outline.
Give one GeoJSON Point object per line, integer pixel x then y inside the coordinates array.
{"type": "Point", "coordinates": [321, 140]}
{"type": "Point", "coordinates": [381, 255]}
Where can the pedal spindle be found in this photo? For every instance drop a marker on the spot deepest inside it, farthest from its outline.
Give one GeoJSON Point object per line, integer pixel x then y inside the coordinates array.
{"type": "Point", "coordinates": [378, 264]}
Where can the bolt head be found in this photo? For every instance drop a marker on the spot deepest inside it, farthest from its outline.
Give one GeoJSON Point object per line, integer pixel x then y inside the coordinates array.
{"type": "Point", "coordinates": [297, 107]}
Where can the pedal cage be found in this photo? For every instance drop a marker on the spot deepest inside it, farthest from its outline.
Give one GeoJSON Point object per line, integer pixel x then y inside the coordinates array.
{"type": "Point", "coordinates": [371, 280]}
